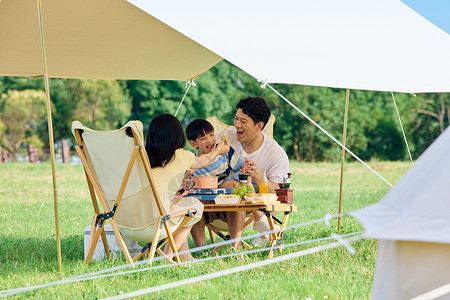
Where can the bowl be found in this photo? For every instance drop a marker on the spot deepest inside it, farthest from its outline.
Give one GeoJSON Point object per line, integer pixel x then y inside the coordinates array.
{"type": "Point", "coordinates": [205, 182]}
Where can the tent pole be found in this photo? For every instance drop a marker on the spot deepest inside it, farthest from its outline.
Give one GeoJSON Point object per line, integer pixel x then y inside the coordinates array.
{"type": "Point", "coordinates": [344, 135]}
{"type": "Point", "coordinates": [50, 137]}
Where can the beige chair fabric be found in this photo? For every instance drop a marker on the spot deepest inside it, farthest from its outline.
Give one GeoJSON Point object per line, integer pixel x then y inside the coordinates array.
{"type": "Point", "coordinates": [219, 126]}
{"type": "Point", "coordinates": [108, 154]}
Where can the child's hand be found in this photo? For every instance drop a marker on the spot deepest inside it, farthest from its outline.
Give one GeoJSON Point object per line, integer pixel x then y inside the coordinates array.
{"type": "Point", "coordinates": [224, 146]}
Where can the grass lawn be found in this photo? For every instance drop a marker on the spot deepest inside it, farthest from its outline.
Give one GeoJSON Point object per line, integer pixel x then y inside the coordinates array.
{"type": "Point", "coordinates": [28, 248]}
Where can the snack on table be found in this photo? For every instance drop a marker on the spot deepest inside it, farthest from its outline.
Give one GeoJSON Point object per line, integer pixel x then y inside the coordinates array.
{"type": "Point", "coordinates": [261, 198]}
{"type": "Point", "coordinates": [227, 199]}
{"type": "Point", "coordinates": [251, 197]}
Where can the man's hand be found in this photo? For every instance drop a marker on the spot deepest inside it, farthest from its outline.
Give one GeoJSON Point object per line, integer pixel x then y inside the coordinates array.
{"type": "Point", "coordinates": [249, 167]}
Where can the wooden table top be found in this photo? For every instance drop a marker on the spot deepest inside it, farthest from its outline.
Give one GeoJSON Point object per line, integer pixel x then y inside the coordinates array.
{"type": "Point", "coordinates": [210, 206]}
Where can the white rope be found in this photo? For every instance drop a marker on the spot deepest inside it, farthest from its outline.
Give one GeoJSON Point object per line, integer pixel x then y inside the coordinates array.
{"type": "Point", "coordinates": [401, 125]}
{"type": "Point", "coordinates": [232, 270]}
{"type": "Point", "coordinates": [433, 294]}
{"type": "Point", "coordinates": [188, 84]}
{"type": "Point", "coordinates": [92, 276]}
{"type": "Point", "coordinates": [11, 292]}
{"type": "Point", "coordinates": [329, 135]}
{"type": "Point", "coordinates": [344, 243]}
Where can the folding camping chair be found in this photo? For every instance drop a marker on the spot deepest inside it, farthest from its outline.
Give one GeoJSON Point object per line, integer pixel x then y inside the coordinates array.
{"type": "Point", "coordinates": [218, 226]}
{"type": "Point", "coordinates": [118, 173]}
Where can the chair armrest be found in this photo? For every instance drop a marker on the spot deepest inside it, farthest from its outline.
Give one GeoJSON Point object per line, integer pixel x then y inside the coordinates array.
{"type": "Point", "coordinates": [183, 212]}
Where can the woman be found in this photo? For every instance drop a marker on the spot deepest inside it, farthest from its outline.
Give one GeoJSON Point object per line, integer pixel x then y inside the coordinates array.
{"type": "Point", "coordinates": [170, 166]}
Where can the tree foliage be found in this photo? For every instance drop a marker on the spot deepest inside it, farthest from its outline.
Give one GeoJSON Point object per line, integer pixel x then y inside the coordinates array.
{"type": "Point", "coordinates": [373, 127]}
{"type": "Point", "coordinates": [21, 116]}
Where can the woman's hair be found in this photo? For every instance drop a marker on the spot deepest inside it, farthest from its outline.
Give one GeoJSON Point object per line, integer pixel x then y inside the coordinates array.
{"type": "Point", "coordinates": [164, 136]}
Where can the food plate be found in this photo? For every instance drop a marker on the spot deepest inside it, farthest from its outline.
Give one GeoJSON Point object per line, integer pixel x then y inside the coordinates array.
{"type": "Point", "coordinates": [227, 199]}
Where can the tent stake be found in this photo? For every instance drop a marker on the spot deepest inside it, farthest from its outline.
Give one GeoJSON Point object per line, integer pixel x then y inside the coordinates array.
{"type": "Point", "coordinates": [344, 135]}
{"type": "Point", "coordinates": [50, 137]}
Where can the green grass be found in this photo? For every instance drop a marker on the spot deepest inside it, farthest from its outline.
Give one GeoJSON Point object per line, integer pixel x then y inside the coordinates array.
{"type": "Point", "coordinates": [28, 248]}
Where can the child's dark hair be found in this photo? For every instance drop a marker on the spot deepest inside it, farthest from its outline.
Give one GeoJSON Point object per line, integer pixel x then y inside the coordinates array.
{"type": "Point", "coordinates": [198, 128]}
{"type": "Point", "coordinates": [256, 108]}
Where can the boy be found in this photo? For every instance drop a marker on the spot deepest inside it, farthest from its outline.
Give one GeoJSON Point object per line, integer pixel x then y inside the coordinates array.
{"type": "Point", "coordinates": [200, 134]}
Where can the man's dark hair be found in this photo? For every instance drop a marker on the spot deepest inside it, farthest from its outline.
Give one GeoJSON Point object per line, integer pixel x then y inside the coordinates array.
{"type": "Point", "coordinates": [164, 136]}
{"type": "Point", "coordinates": [256, 108]}
{"type": "Point", "coordinates": [198, 128]}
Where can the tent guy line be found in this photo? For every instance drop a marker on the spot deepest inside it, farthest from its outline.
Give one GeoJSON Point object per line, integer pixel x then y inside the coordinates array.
{"type": "Point", "coordinates": [329, 135]}
{"type": "Point", "coordinates": [235, 270]}
{"type": "Point", "coordinates": [188, 84]}
{"type": "Point", "coordinates": [92, 276]}
{"type": "Point", "coordinates": [264, 84]}
{"type": "Point", "coordinates": [439, 292]}
{"type": "Point", "coordinates": [338, 238]}
{"type": "Point", "coordinates": [401, 125]}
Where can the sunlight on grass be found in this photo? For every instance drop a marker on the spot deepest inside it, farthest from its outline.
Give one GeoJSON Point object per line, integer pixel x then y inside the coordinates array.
{"type": "Point", "coordinates": [29, 257]}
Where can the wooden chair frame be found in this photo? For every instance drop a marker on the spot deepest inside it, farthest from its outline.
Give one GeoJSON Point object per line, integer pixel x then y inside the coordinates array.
{"type": "Point", "coordinates": [99, 219]}
{"type": "Point", "coordinates": [226, 237]}
{"type": "Point", "coordinates": [276, 238]}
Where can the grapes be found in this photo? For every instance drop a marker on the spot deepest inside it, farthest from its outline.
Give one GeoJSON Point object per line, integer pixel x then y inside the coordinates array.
{"type": "Point", "coordinates": [242, 190]}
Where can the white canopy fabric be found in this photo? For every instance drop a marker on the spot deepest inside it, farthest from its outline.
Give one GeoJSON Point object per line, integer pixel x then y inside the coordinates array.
{"type": "Point", "coordinates": [95, 39]}
{"type": "Point", "coordinates": [358, 44]}
{"type": "Point", "coordinates": [417, 208]}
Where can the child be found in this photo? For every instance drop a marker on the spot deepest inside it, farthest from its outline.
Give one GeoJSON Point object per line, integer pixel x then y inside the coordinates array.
{"type": "Point", "coordinates": [200, 134]}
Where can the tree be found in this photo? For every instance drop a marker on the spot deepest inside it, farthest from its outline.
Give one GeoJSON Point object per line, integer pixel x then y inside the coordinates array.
{"type": "Point", "coordinates": [21, 115]}
{"type": "Point", "coordinates": [100, 104]}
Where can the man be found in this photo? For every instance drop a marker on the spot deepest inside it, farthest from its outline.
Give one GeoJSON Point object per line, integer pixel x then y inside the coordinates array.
{"type": "Point", "coordinates": [262, 153]}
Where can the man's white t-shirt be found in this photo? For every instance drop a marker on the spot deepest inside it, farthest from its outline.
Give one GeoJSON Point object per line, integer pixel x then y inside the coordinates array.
{"type": "Point", "coordinates": [269, 157]}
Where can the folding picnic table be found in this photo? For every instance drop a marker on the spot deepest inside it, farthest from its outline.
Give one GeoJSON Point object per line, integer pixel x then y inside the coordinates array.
{"type": "Point", "coordinates": [267, 209]}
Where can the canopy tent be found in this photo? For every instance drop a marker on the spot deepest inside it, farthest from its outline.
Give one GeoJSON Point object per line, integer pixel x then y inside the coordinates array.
{"type": "Point", "coordinates": [108, 39]}
{"type": "Point", "coordinates": [371, 45]}
{"type": "Point", "coordinates": [374, 45]}
{"type": "Point", "coordinates": [412, 224]}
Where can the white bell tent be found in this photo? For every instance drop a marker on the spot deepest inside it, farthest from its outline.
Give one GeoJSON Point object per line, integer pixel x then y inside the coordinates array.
{"type": "Point", "coordinates": [412, 224]}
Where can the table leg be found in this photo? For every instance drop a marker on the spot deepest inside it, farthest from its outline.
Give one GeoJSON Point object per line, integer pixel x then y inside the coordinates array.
{"type": "Point", "coordinates": [276, 238]}
{"type": "Point", "coordinates": [282, 229]}
{"type": "Point", "coordinates": [273, 236]}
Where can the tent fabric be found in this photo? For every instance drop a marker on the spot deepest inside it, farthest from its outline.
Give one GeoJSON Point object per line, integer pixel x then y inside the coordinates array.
{"type": "Point", "coordinates": [417, 208]}
{"type": "Point", "coordinates": [106, 39]}
{"type": "Point", "coordinates": [408, 269]}
{"type": "Point", "coordinates": [372, 45]}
